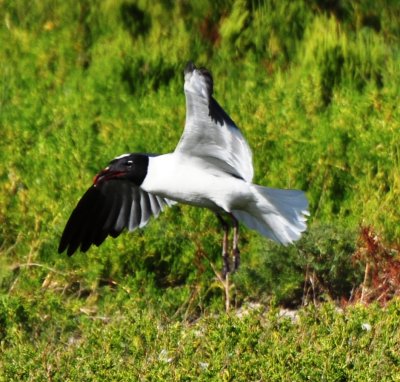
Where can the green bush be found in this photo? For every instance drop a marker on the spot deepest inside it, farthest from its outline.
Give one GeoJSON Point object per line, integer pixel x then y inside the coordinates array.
{"type": "Point", "coordinates": [314, 87]}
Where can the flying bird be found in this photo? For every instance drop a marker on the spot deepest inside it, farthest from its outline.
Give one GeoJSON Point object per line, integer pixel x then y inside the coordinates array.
{"type": "Point", "coordinates": [211, 167]}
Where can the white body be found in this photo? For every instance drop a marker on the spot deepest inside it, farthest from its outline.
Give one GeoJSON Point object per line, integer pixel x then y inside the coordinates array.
{"type": "Point", "coordinates": [277, 214]}
{"type": "Point", "coordinates": [191, 180]}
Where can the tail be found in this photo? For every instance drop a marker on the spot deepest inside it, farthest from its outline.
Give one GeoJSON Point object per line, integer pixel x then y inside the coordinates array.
{"type": "Point", "coordinates": [277, 214]}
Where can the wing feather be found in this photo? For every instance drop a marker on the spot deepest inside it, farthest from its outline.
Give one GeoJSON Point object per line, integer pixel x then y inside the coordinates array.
{"type": "Point", "coordinates": [146, 208]}
{"type": "Point", "coordinates": [154, 205]}
{"type": "Point", "coordinates": [106, 210]}
{"type": "Point", "coordinates": [209, 131]}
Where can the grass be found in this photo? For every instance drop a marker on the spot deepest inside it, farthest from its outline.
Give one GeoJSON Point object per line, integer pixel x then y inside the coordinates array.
{"type": "Point", "coordinates": [135, 342]}
{"type": "Point", "coordinates": [314, 87]}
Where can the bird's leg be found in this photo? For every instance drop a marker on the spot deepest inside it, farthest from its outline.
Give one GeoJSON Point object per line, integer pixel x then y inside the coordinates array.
{"type": "Point", "coordinates": [225, 255]}
{"type": "Point", "coordinates": [235, 248]}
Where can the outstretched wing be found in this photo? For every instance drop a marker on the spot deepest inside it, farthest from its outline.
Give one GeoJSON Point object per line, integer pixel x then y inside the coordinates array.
{"type": "Point", "coordinates": [209, 131]}
{"type": "Point", "coordinates": [107, 209]}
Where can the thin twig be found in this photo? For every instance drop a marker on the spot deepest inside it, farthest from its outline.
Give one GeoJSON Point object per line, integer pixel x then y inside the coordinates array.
{"type": "Point", "coordinates": [227, 297]}
{"type": "Point", "coordinates": [28, 265]}
{"type": "Point", "coordinates": [11, 247]}
{"type": "Point", "coordinates": [365, 281]}
{"type": "Point", "coordinates": [225, 283]}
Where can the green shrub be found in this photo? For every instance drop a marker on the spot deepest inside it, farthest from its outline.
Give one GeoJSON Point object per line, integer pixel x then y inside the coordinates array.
{"type": "Point", "coordinates": [314, 88]}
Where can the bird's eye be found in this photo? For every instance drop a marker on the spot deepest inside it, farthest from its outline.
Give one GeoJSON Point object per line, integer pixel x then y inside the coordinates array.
{"type": "Point", "coordinates": [129, 163]}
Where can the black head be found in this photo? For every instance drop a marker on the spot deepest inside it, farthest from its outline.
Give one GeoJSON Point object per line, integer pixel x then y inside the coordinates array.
{"type": "Point", "coordinates": [132, 167]}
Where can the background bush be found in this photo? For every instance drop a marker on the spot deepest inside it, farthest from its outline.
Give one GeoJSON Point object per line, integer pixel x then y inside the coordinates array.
{"type": "Point", "coordinates": [314, 87]}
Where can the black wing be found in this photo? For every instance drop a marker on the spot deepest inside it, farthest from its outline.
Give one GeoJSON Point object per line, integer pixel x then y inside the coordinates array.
{"type": "Point", "coordinates": [107, 209]}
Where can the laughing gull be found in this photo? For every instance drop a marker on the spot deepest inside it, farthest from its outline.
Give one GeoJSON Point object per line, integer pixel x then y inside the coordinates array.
{"type": "Point", "coordinates": [211, 167]}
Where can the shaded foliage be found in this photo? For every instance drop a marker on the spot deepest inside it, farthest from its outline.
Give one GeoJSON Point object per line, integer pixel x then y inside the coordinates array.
{"type": "Point", "coordinates": [313, 85]}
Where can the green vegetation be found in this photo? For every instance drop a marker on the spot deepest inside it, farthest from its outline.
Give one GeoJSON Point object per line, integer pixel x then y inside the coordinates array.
{"type": "Point", "coordinates": [136, 343]}
{"type": "Point", "coordinates": [314, 86]}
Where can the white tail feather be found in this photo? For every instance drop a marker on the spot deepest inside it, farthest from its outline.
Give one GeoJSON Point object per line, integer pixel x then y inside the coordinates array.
{"type": "Point", "coordinates": [277, 214]}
